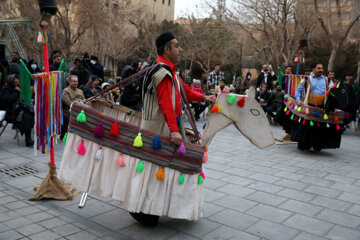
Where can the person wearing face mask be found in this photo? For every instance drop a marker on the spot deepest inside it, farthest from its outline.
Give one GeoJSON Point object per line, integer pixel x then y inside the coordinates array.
{"type": "Point", "coordinates": [33, 67]}
{"type": "Point", "coordinates": [245, 83]}
{"type": "Point", "coordinates": [96, 68]}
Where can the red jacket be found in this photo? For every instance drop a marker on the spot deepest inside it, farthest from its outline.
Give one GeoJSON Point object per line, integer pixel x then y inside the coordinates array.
{"type": "Point", "coordinates": [164, 91]}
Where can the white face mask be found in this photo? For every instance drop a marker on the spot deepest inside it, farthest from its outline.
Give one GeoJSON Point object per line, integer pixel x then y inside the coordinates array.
{"type": "Point", "coordinates": [93, 61]}
{"type": "Point", "coordinates": [33, 66]}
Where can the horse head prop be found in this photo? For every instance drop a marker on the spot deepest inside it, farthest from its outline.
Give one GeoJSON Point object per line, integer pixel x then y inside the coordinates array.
{"type": "Point", "coordinates": [247, 116]}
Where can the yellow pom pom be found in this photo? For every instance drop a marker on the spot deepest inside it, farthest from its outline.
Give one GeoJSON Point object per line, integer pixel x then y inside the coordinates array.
{"type": "Point", "coordinates": [219, 109]}
{"type": "Point", "coordinates": [138, 141]}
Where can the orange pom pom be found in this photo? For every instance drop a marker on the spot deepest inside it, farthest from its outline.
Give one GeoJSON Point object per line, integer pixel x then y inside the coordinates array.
{"type": "Point", "coordinates": [289, 102]}
{"type": "Point", "coordinates": [160, 174]}
{"type": "Point", "coordinates": [206, 149]}
{"type": "Point", "coordinates": [214, 109]}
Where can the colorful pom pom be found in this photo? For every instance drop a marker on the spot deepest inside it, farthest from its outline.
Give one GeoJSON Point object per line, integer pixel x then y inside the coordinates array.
{"type": "Point", "coordinates": [205, 158]}
{"type": "Point", "coordinates": [304, 122]}
{"type": "Point", "coordinates": [328, 92]}
{"type": "Point", "coordinates": [287, 113]}
{"type": "Point", "coordinates": [121, 161]}
{"type": "Point", "coordinates": [231, 99]}
{"type": "Point", "coordinates": [182, 149]}
{"type": "Point", "coordinates": [138, 141]}
{"type": "Point", "coordinates": [98, 154]}
{"type": "Point", "coordinates": [219, 109]}
{"type": "Point", "coordinates": [338, 85]}
{"type": "Point", "coordinates": [307, 111]}
{"type": "Point", "coordinates": [156, 143]}
{"type": "Point", "coordinates": [114, 130]}
{"type": "Point", "coordinates": [326, 117]}
{"type": "Point", "coordinates": [81, 149]}
{"type": "Point", "coordinates": [206, 149]}
{"type": "Point", "coordinates": [317, 114]}
{"type": "Point", "coordinates": [289, 102]}
{"type": "Point", "coordinates": [311, 123]}
{"type": "Point", "coordinates": [181, 178]}
{"type": "Point", "coordinates": [292, 117]}
{"type": "Point", "coordinates": [81, 117]}
{"type": "Point", "coordinates": [318, 124]}
{"type": "Point", "coordinates": [285, 109]}
{"type": "Point", "coordinates": [241, 102]}
{"type": "Point", "coordinates": [64, 138]}
{"type": "Point", "coordinates": [296, 118]}
{"type": "Point", "coordinates": [338, 127]}
{"type": "Point", "coordinates": [140, 167]}
{"type": "Point", "coordinates": [299, 109]}
{"type": "Point", "coordinates": [160, 174]}
{"type": "Point", "coordinates": [214, 109]}
{"type": "Point", "coordinates": [336, 118]}
{"type": "Point", "coordinates": [99, 131]}
{"type": "Point", "coordinates": [200, 180]}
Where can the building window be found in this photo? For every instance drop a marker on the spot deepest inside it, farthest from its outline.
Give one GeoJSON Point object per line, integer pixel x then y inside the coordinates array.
{"type": "Point", "coordinates": [169, 2]}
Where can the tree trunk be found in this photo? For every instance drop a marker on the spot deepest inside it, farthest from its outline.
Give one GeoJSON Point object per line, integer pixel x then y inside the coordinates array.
{"type": "Point", "coordinates": [334, 53]}
{"type": "Point", "coordinates": [358, 70]}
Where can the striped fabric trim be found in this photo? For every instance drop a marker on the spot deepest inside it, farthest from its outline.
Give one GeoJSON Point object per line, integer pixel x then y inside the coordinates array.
{"type": "Point", "coordinates": [190, 163]}
{"type": "Point", "coordinates": [312, 115]}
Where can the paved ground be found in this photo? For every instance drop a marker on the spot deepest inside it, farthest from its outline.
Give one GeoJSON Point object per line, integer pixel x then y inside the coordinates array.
{"type": "Point", "coordinates": [277, 193]}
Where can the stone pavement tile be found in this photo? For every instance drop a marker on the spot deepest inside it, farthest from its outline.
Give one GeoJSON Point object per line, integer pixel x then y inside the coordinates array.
{"type": "Point", "coordinates": [297, 195]}
{"type": "Point", "coordinates": [264, 177]}
{"type": "Point", "coordinates": [346, 188]}
{"type": "Point", "coordinates": [339, 218]}
{"type": "Point", "coordinates": [301, 207]}
{"type": "Point", "coordinates": [331, 203]}
{"type": "Point", "coordinates": [261, 162]}
{"type": "Point", "coordinates": [211, 183]}
{"type": "Point", "coordinates": [52, 223]}
{"type": "Point", "coordinates": [265, 187]}
{"type": "Point", "coordinates": [197, 229]}
{"type": "Point", "coordinates": [212, 195]}
{"type": "Point", "coordinates": [3, 228]}
{"type": "Point", "coordinates": [308, 224]}
{"type": "Point", "coordinates": [235, 190]}
{"type": "Point", "coordinates": [235, 203]}
{"type": "Point", "coordinates": [270, 230]}
{"type": "Point", "coordinates": [312, 173]}
{"type": "Point", "coordinates": [139, 232]}
{"type": "Point", "coordinates": [48, 235]}
{"type": "Point", "coordinates": [17, 223]}
{"type": "Point", "coordinates": [225, 232]}
{"type": "Point", "coordinates": [237, 180]}
{"type": "Point", "coordinates": [291, 184]}
{"type": "Point", "coordinates": [3, 209]}
{"type": "Point", "coordinates": [265, 170]}
{"type": "Point", "coordinates": [286, 167]}
{"type": "Point", "coordinates": [343, 233]}
{"type": "Point", "coordinates": [74, 201]}
{"type": "Point", "coordinates": [349, 197]}
{"type": "Point", "coordinates": [234, 219]}
{"type": "Point", "coordinates": [269, 213]}
{"type": "Point", "coordinates": [338, 178]}
{"type": "Point", "coordinates": [308, 236]}
{"type": "Point", "coordinates": [37, 217]}
{"type": "Point", "coordinates": [216, 166]}
{"type": "Point", "coordinates": [17, 205]}
{"type": "Point", "coordinates": [266, 198]}
{"type": "Point", "coordinates": [6, 216]}
{"type": "Point", "coordinates": [82, 236]}
{"type": "Point", "coordinates": [288, 175]}
{"type": "Point", "coordinates": [30, 229]}
{"type": "Point", "coordinates": [222, 154]}
{"type": "Point", "coordinates": [242, 165]}
{"type": "Point", "coordinates": [11, 235]}
{"type": "Point", "coordinates": [326, 192]}
{"type": "Point", "coordinates": [92, 208]}
{"type": "Point", "coordinates": [211, 209]}
{"type": "Point", "coordinates": [6, 200]}
{"type": "Point", "coordinates": [27, 210]}
{"type": "Point", "coordinates": [5, 154]}
{"type": "Point", "coordinates": [66, 230]}
{"type": "Point", "coordinates": [24, 182]}
{"type": "Point", "coordinates": [215, 174]}
{"type": "Point", "coordinates": [336, 171]}
{"type": "Point", "coordinates": [317, 181]}
{"type": "Point", "coordinates": [15, 161]}
{"type": "Point", "coordinates": [354, 210]}
{"type": "Point", "coordinates": [239, 172]}
{"type": "Point", "coordinates": [66, 219]}
{"type": "Point", "coordinates": [2, 194]}
{"type": "Point", "coordinates": [115, 220]}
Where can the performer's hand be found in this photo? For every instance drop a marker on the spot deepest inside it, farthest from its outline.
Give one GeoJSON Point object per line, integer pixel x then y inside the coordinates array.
{"type": "Point", "coordinates": [176, 138]}
{"type": "Point", "coordinates": [211, 98]}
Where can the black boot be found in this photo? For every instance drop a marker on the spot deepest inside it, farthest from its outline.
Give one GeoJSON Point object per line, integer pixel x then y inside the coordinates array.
{"type": "Point", "coordinates": [28, 141]}
{"type": "Point", "coordinates": [147, 220]}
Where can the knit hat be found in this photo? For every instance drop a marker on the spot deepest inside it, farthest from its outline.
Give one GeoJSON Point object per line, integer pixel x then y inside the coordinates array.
{"type": "Point", "coordinates": [163, 39]}
{"type": "Point", "coordinates": [111, 81]}
{"type": "Point", "coordinates": [104, 85]}
{"type": "Point", "coordinates": [94, 77]}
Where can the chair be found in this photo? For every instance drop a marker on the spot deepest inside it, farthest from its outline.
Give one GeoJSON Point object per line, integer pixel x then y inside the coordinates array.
{"type": "Point", "coordinates": [2, 120]}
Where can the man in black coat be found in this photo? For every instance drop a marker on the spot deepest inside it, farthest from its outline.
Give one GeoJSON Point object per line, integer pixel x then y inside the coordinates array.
{"type": "Point", "coordinates": [266, 76]}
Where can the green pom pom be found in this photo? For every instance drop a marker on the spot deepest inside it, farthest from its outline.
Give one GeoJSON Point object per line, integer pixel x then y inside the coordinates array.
{"type": "Point", "coordinates": [287, 95]}
{"type": "Point", "coordinates": [200, 180]}
{"type": "Point", "coordinates": [65, 137]}
{"type": "Point", "coordinates": [140, 167]}
{"type": "Point", "coordinates": [285, 109]}
{"type": "Point", "coordinates": [311, 123]}
{"type": "Point", "coordinates": [231, 99]}
{"type": "Point", "coordinates": [292, 117]}
{"type": "Point", "coordinates": [138, 141]}
{"type": "Point", "coordinates": [181, 179]}
{"type": "Point", "coordinates": [81, 118]}
{"type": "Point", "coordinates": [326, 117]}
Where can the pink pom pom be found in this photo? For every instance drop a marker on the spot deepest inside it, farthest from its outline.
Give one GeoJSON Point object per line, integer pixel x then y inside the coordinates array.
{"type": "Point", "coordinates": [205, 158]}
{"type": "Point", "coordinates": [121, 161]}
{"type": "Point", "coordinates": [99, 131]}
{"type": "Point", "coordinates": [338, 127]}
{"type": "Point", "coordinates": [81, 148]}
{"type": "Point", "coordinates": [287, 113]}
{"type": "Point", "coordinates": [203, 175]}
{"type": "Point", "coordinates": [307, 111]}
{"type": "Point", "coordinates": [182, 149]}
{"type": "Point", "coordinates": [296, 118]}
{"type": "Point", "coordinates": [225, 92]}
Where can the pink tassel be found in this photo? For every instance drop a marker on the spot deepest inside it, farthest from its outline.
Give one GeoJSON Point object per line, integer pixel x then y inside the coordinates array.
{"type": "Point", "coordinates": [203, 175]}
{"type": "Point", "coordinates": [121, 161]}
{"type": "Point", "coordinates": [81, 148]}
{"type": "Point", "coordinates": [205, 158]}
{"type": "Point", "coordinates": [307, 111]}
{"type": "Point", "coordinates": [338, 127]}
{"type": "Point", "coordinates": [182, 149]}
{"type": "Point", "coordinates": [99, 131]}
{"type": "Point", "coordinates": [287, 113]}
{"type": "Point", "coordinates": [225, 92]}
{"type": "Point", "coordinates": [318, 124]}
{"type": "Point", "coordinates": [296, 118]}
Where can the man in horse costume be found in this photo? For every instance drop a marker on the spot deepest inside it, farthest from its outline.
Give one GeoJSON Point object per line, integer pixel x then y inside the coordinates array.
{"type": "Point", "coordinates": [162, 105]}
{"type": "Point", "coordinates": [312, 94]}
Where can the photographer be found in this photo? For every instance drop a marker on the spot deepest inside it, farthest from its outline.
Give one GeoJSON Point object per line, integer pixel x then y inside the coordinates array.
{"type": "Point", "coordinates": [80, 71]}
{"type": "Point", "coordinates": [17, 113]}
